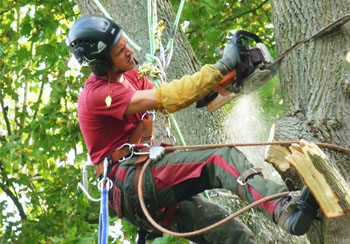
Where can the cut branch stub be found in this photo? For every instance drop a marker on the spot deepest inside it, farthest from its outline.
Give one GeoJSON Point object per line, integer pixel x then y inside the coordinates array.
{"type": "Point", "coordinates": [321, 177]}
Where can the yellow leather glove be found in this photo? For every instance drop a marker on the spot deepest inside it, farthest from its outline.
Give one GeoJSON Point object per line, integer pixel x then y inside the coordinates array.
{"type": "Point", "coordinates": [179, 94]}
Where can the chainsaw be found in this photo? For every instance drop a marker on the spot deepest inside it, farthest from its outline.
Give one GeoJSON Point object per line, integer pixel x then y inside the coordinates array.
{"type": "Point", "coordinates": [255, 66]}
{"type": "Point", "coordinates": [249, 74]}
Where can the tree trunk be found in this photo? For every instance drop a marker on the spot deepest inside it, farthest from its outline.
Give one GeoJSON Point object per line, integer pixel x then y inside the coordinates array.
{"type": "Point", "coordinates": [316, 89]}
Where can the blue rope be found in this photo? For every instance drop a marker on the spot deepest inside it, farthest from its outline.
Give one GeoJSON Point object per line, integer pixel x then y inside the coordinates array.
{"type": "Point", "coordinates": [103, 222]}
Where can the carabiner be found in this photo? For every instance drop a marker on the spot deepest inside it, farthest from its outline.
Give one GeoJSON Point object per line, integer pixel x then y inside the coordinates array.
{"type": "Point", "coordinates": [131, 150]}
{"type": "Point", "coordinates": [152, 112]}
{"type": "Point", "coordinates": [169, 135]}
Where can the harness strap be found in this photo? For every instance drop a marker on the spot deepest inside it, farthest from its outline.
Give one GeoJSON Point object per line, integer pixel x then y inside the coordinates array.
{"type": "Point", "coordinates": [115, 156]}
{"type": "Point", "coordinates": [143, 133]}
{"type": "Point", "coordinates": [137, 177]}
{"type": "Point", "coordinates": [170, 211]}
{"type": "Point", "coordinates": [245, 177]}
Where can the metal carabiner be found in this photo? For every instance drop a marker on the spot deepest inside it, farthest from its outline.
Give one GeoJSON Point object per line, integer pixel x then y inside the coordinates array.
{"type": "Point", "coordinates": [152, 112]}
{"type": "Point", "coordinates": [169, 135]}
{"type": "Point", "coordinates": [131, 150]}
{"type": "Point", "coordinates": [108, 183]}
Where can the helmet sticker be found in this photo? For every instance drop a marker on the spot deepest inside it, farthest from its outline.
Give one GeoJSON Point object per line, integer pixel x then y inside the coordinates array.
{"type": "Point", "coordinates": [101, 46]}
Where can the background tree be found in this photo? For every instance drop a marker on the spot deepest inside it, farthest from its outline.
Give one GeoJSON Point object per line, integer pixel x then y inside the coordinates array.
{"type": "Point", "coordinates": [315, 88]}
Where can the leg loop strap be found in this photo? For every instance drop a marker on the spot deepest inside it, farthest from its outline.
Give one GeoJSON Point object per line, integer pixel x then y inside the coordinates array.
{"type": "Point", "coordinates": [245, 177]}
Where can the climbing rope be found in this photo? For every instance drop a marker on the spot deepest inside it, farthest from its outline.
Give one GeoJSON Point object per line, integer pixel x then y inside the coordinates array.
{"type": "Point", "coordinates": [323, 145]}
{"type": "Point", "coordinates": [155, 30]}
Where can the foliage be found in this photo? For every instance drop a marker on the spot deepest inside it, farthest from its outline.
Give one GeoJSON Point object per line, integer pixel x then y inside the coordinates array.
{"type": "Point", "coordinates": [41, 147]}
{"type": "Point", "coordinates": [39, 127]}
{"type": "Point", "coordinates": [210, 23]}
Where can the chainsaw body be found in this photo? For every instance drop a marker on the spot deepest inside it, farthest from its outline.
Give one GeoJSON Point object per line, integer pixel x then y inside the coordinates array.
{"type": "Point", "coordinates": [249, 74]}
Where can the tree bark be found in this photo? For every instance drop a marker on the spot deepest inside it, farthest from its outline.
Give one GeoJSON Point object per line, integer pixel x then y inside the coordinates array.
{"type": "Point", "coordinates": [315, 86]}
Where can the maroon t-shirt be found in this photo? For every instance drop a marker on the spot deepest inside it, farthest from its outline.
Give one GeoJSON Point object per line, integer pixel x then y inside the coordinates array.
{"type": "Point", "coordinates": [105, 129]}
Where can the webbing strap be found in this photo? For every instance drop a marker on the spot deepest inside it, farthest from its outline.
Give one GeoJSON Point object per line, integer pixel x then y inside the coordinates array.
{"type": "Point", "coordinates": [245, 177]}
{"type": "Point", "coordinates": [142, 133]}
{"type": "Point", "coordinates": [103, 222]}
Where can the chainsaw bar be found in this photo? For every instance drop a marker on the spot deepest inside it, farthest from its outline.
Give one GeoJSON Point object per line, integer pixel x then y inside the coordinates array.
{"type": "Point", "coordinates": [255, 80]}
{"type": "Point", "coordinates": [329, 29]}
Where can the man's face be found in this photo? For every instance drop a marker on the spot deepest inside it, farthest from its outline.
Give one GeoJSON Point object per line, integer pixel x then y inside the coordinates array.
{"type": "Point", "coordinates": [122, 55]}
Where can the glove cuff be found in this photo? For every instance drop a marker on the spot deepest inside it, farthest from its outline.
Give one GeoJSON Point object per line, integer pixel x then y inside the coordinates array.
{"type": "Point", "coordinates": [221, 67]}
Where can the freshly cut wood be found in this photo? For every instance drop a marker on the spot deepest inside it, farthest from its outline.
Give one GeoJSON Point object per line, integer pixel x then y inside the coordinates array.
{"type": "Point", "coordinates": [321, 177]}
{"type": "Point", "coordinates": [220, 101]}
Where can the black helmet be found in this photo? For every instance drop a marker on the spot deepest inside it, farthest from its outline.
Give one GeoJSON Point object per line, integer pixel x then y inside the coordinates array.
{"type": "Point", "coordinates": [91, 38]}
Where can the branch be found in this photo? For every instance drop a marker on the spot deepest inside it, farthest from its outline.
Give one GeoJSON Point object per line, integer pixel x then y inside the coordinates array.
{"type": "Point", "coordinates": [194, 30]}
{"type": "Point", "coordinates": [39, 98]}
{"type": "Point", "coordinates": [9, 9]}
{"type": "Point", "coordinates": [15, 201]}
{"type": "Point", "coordinates": [5, 109]}
{"type": "Point", "coordinates": [246, 12]}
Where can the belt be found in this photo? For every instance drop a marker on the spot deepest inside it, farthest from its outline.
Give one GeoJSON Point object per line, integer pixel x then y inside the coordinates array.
{"type": "Point", "coordinates": [115, 156]}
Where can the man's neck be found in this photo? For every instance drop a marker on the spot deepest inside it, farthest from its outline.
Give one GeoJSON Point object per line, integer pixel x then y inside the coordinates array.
{"type": "Point", "coordinates": [116, 77]}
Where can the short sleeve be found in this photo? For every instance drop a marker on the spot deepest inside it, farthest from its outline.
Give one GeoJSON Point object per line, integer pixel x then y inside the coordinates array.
{"type": "Point", "coordinates": [120, 95]}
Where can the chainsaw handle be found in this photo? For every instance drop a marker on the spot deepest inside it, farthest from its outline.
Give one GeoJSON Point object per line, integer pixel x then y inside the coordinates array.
{"type": "Point", "coordinates": [241, 34]}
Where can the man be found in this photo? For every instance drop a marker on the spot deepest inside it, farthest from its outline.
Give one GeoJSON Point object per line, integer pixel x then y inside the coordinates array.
{"type": "Point", "coordinates": [111, 108]}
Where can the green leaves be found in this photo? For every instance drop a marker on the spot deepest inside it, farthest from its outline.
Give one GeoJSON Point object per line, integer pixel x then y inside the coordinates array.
{"type": "Point", "coordinates": [211, 23]}
{"type": "Point", "coordinates": [39, 131]}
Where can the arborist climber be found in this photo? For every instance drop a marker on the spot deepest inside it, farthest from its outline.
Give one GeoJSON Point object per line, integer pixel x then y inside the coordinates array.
{"type": "Point", "coordinates": [112, 110]}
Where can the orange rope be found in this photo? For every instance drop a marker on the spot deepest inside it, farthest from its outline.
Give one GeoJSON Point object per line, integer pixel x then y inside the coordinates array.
{"type": "Point", "coordinates": [324, 145]}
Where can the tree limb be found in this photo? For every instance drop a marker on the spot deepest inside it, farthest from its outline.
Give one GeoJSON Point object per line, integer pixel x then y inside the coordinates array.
{"type": "Point", "coordinates": [39, 98]}
{"type": "Point", "coordinates": [15, 201]}
{"type": "Point", "coordinates": [246, 12]}
{"type": "Point", "coordinates": [4, 111]}
{"type": "Point", "coordinates": [9, 9]}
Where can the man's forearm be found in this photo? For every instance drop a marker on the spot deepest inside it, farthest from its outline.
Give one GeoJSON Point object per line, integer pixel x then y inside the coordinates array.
{"type": "Point", "coordinates": [181, 93]}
